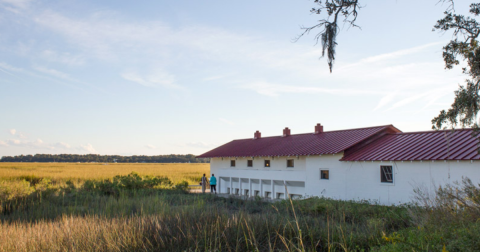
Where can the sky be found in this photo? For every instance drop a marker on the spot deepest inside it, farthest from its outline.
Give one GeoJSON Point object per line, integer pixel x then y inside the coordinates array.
{"type": "Point", "coordinates": [182, 77]}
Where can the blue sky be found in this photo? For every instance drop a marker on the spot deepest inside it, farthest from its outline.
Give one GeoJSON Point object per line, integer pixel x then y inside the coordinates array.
{"type": "Point", "coordinates": [161, 77]}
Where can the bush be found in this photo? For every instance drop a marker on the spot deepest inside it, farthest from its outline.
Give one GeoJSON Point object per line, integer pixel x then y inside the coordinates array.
{"type": "Point", "coordinates": [130, 182]}
{"type": "Point", "coordinates": [182, 186]}
{"type": "Point", "coordinates": [10, 190]}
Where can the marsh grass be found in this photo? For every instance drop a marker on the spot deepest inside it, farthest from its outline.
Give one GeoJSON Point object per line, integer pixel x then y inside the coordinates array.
{"type": "Point", "coordinates": [139, 212]}
{"type": "Point", "coordinates": [173, 221]}
{"type": "Point", "coordinates": [82, 171]}
{"type": "Point", "coordinates": [144, 216]}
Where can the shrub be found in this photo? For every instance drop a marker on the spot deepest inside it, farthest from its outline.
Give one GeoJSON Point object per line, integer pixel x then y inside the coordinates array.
{"type": "Point", "coordinates": [130, 182]}
{"type": "Point", "coordinates": [182, 186]}
{"type": "Point", "coordinates": [10, 190]}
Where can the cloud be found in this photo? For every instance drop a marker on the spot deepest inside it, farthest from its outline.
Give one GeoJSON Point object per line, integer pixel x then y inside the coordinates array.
{"type": "Point", "coordinates": [64, 58]}
{"type": "Point", "coordinates": [215, 77]}
{"type": "Point", "coordinates": [226, 121]}
{"type": "Point", "coordinates": [15, 5]}
{"type": "Point", "coordinates": [88, 148]}
{"type": "Point", "coordinates": [273, 89]}
{"type": "Point", "coordinates": [36, 144]}
{"type": "Point", "coordinates": [385, 100]}
{"type": "Point", "coordinates": [14, 132]}
{"type": "Point", "coordinates": [8, 68]}
{"type": "Point", "coordinates": [62, 145]}
{"type": "Point", "coordinates": [150, 146]}
{"type": "Point", "coordinates": [54, 73]}
{"type": "Point", "coordinates": [14, 141]}
{"type": "Point", "coordinates": [201, 145]}
{"type": "Point", "coordinates": [157, 79]}
{"type": "Point", "coordinates": [399, 53]}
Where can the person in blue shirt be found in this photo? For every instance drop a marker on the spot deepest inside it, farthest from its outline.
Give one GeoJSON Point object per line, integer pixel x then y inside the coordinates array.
{"type": "Point", "coordinates": [213, 184]}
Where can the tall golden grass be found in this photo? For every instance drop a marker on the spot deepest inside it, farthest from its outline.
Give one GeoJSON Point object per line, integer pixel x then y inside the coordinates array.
{"type": "Point", "coordinates": [82, 171]}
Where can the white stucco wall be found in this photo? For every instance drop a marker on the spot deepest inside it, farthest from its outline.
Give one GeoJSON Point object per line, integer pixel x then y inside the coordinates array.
{"type": "Point", "coordinates": [260, 178]}
{"type": "Point", "coordinates": [361, 180]}
{"type": "Point", "coordinates": [347, 180]}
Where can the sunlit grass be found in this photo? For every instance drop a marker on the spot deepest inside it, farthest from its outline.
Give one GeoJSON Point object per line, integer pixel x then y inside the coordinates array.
{"type": "Point", "coordinates": [81, 171]}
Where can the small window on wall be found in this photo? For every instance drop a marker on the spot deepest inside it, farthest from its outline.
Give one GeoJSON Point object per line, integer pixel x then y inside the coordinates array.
{"type": "Point", "coordinates": [324, 174]}
{"type": "Point", "coordinates": [267, 163]}
{"type": "Point", "coordinates": [290, 163]}
{"type": "Point", "coordinates": [232, 163]}
{"type": "Point", "coordinates": [249, 163]}
{"type": "Point", "coordinates": [386, 174]}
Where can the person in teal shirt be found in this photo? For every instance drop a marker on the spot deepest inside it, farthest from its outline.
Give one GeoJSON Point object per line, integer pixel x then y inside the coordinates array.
{"type": "Point", "coordinates": [213, 184]}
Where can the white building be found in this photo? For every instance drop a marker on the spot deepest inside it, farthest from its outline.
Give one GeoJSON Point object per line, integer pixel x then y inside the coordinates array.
{"type": "Point", "coordinates": [376, 163]}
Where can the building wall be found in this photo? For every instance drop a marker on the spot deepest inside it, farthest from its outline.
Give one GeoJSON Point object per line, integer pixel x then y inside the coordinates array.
{"type": "Point", "coordinates": [347, 180]}
{"type": "Point", "coordinates": [361, 180]}
{"type": "Point", "coordinates": [260, 178]}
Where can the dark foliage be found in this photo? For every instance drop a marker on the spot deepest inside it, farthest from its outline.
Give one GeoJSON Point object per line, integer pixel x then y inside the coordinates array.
{"type": "Point", "coordinates": [465, 47]}
{"type": "Point", "coordinates": [329, 26]}
{"type": "Point", "coordinates": [189, 158]}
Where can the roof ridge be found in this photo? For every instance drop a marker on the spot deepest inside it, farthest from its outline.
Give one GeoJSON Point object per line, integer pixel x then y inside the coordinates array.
{"type": "Point", "coordinates": [429, 131]}
{"type": "Point", "coordinates": [312, 133]}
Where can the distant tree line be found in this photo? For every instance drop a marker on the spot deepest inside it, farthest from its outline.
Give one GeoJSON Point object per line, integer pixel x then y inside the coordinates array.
{"type": "Point", "coordinates": [189, 158]}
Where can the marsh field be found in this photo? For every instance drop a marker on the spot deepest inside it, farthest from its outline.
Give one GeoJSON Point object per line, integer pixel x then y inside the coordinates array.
{"type": "Point", "coordinates": [83, 171]}
{"type": "Point", "coordinates": [147, 207]}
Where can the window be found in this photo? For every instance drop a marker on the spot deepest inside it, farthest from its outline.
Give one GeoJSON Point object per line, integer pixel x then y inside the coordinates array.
{"type": "Point", "coordinates": [324, 174]}
{"type": "Point", "coordinates": [267, 163]}
{"type": "Point", "coordinates": [232, 163]}
{"type": "Point", "coordinates": [386, 174]}
{"type": "Point", "coordinates": [290, 163]}
{"type": "Point", "coordinates": [249, 163]}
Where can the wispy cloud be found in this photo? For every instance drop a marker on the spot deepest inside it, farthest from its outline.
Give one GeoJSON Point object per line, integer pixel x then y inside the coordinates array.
{"type": "Point", "coordinates": [4, 144]}
{"type": "Point", "coordinates": [15, 5]}
{"type": "Point", "coordinates": [12, 131]}
{"type": "Point", "coordinates": [273, 89]}
{"type": "Point", "coordinates": [63, 57]}
{"type": "Point", "coordinates": [150, 146]}
{"type": "Point", "coordinates": [385, 100]}
{"type": "Point", "coordinates": [157, 79]}
{"type": "Point", "coordinates": [54, 73]}
{"type": "Point", "coordinates": [428, 98]}
{"type": "Point", "coordinates": [201, 145]}
{"type": "Point", "coordinates": [226, 121]}
{"type": "Point", "coordinates": [399, 53]}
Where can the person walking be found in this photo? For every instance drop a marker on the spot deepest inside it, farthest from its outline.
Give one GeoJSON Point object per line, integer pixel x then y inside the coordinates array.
{"type": "Point", "coordinates": [213, 184]}
{"type": "Point", "coordinates": [204, 183]}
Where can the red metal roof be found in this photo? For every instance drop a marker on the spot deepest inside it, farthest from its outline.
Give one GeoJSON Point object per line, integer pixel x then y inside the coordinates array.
{"type": "Point", "coordinates": [427, 145]}
{"type": "Point", "coordinates": [328, 142]}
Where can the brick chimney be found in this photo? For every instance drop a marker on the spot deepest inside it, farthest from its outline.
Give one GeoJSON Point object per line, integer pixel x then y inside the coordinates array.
{"type": "Point", "coordinates": [257, 135]}
{"type": "Point", "coordinates": [286, 132]}
{"type": "Point", "coordinates": [318, 128]}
